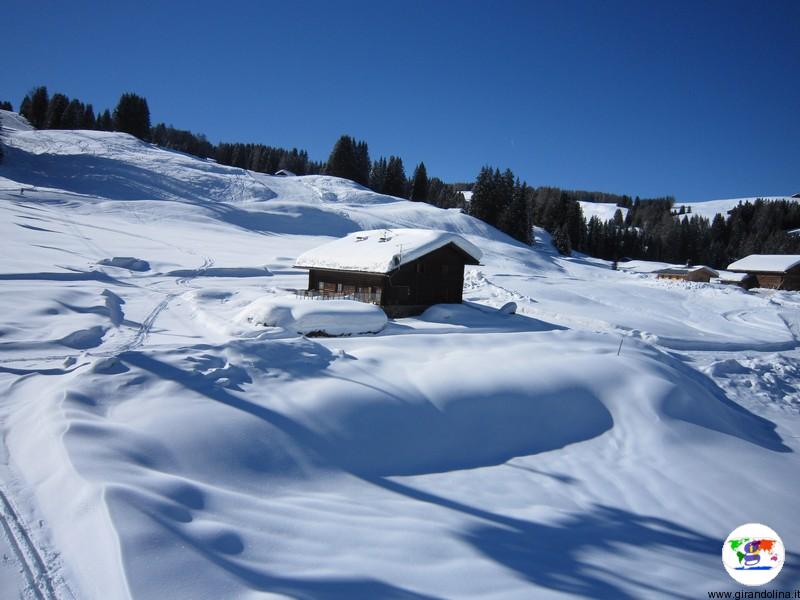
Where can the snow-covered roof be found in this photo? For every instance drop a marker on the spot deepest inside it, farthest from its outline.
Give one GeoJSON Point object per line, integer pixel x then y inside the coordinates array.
{"type": "Point", "coordinates": [687, 270]}
{"type": "Point", "coordinates": [766, 263]}
{"type": "Point", "coordinates": [732, 277]}
{"type": "Point", "coordinates": [284, 173]}
{"type": "Point", "coordinates": [381, 250]}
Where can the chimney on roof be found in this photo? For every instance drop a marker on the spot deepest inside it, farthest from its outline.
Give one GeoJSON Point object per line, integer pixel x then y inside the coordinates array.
{"type": "Point", "coordinates": [689, 263]}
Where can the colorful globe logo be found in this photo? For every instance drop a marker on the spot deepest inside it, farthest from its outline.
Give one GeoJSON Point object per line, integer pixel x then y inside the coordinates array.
{"type": "Point", "coordinates": [753, 554]}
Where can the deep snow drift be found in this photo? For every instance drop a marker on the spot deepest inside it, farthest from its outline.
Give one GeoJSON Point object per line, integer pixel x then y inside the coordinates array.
{"type": "Point", "coordinates": [159, 443]}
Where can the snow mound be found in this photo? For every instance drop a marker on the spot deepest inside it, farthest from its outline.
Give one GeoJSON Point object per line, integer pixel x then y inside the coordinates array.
{"type": "Point", "coordinates": [14, 121]}
{"type": "Point", "coordinates": [126, 262]}
{"type": "Point", "coordinates": [330, 317]}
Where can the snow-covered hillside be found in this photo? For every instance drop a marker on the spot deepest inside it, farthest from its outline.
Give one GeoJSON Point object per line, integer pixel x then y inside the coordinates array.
{"type": "Point", "coordinates": [602, 210]}
{"type": "Point", "coordinates": [711, 208]}
{"type": "Point", "coordinates": [160, 442]}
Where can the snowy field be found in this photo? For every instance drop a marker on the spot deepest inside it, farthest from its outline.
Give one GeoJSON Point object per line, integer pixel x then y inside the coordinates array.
{"type": "Point", "coordinates": [168, 433]}
{"type": "Point", "coordinates": [602, 210]}
{"type": "Point", "coordinates": [710, 208]}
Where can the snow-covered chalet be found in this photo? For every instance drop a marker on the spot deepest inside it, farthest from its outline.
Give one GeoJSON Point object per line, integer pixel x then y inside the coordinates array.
{"type": "Point", "coordinates": [404, 271]}
{"type": "Point", "coordinates": [777, 271]}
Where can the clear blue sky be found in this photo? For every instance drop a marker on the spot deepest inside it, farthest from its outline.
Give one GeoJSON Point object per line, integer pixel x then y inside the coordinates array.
{"type": "Point", "coordinates": [697, 99]}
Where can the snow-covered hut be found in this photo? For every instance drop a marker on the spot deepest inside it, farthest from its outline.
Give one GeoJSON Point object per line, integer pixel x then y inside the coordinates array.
{"type": "Point", "coordinates": [285, 173]}
{"type": "Point", "coordinates": [777, 271]}
{"type": "Point", "coordinates": [743, 280]}
{"type": "Point", "coordinates": [402, 270]}
{"type": "Point", "coordinates": [688, 273]}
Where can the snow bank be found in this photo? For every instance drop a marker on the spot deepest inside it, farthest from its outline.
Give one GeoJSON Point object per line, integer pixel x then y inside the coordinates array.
{"type": "Point", "coordinates": [14, 121]}
{"type": "Point", "coordinates": [326, 317]}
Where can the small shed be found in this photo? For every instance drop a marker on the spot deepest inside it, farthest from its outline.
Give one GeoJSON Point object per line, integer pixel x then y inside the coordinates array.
{"type": "Point", "coordinates": [743, 280]}
{"type": "Point", "coordinates": [284, 173]}
{"type": "Point", "coordinates": [688, 273]}
{"type": "Point", "coordinates": [404, 271]}
{"type": "Point", "coordinates": [776, 271]}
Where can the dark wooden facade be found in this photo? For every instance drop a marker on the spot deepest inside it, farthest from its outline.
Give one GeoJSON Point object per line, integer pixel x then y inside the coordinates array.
{"type": "Point", "coordinates": [437, 277]}
{"type": "Point", "coordinates": [701, 275]}
{"type": "Point", "coordinates": [788, 280]}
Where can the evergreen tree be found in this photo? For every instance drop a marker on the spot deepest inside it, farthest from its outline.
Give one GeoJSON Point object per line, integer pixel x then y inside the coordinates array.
{"type": "Point", "coordinates": [132, 115]}
{"type": "Point", "coordinates": [6, 105]}
{"type": "Point", "coordinates": [515, 219]}
{"type": "Point", "coordinates": [39, 104]}
{"type": "Point", "coordinates": [104, 121]}
{"type": "Point", "coordinates": [395, 183]}
{"type": "Point", "coordinates": [88, 121]}
{"type": "Point", "coordinates": [25, 108]}
{"type": "Point", "coordinates": [619, 221]}
{"type": "Point", "coordinates": [419, 186]}
{"type": "Point", "coordinates": [73, 115]}
{"type": "Point", "coordinates": [342, 162]}
{"type": "Point", "coordinates": [377, 176]}
{"type": "Point", "coordinates": [483, 193]}
{"type": "Point", "coordinates": [362, 163]}
{"type": "Point", "coordinates": [55, 111]}
{"type": "Point", "coordinates": [561, 241]}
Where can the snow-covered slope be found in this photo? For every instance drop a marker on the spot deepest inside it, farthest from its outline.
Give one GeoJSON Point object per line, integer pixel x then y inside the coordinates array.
{"type": "Point", "coordinates": [602, 210]}
{"type": "Point", "coordinates": [711, 208]}
{"type": "Point", "coordinates": [602, 442]}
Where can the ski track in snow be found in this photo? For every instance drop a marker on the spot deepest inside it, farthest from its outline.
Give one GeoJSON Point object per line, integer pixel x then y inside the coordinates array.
{"type": "Point", "coordinates": [37, 575]}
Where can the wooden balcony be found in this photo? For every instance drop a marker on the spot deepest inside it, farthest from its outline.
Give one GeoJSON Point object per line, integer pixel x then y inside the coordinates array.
{"type": "Point", "coordinates": [367, 297]}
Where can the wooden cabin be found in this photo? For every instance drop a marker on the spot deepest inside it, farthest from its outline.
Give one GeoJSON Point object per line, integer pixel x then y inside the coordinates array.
{"type": "Point", "coordinates": [404, 271]}
{"type": "Point", "coordinates": [776, 271]}
{"type": "Point", "coordinates": [688, 273]}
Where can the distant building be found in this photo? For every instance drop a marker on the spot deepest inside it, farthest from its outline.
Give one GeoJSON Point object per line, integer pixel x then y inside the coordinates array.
{"type": "Point", "coordinates": [688, 273]}
{"type": "Point", "coordinates": [776, 271]}
{"type": "Point", "coordinates": [743, 280]}
{"type": "Point", "coordinates": [404, 271]}
{"type": "Point", "coordinates": [284, 173]}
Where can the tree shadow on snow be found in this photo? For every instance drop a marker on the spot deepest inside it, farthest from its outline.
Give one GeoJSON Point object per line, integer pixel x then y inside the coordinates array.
{"type": "Point", "coordinates": [222, 553]}
{"type": "Point", "coordinates": [567, 556]}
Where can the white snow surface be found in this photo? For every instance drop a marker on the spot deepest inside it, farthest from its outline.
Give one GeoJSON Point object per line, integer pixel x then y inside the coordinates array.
{"type": "Point", "coordinates": [768, 263]}
{"type": "Point", "coordinates": [601, 442]}
{"type": "Point", "coordinates": [329, 317]}
{"type": "Point", "coordinates": [602, 210]}
{"type": "Point", "coordinates": [381, 250]}
{"type": "Point", "coordinates": [710, 208]}
{"type": "Point", "coordinates": [692, 269]}
{"type": "Point", "coordinates": [731, 276]}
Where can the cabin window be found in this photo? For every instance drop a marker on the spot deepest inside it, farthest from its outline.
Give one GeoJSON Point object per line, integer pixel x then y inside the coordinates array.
{"type": "Point", "coordinates": [320, 285]}
{"type": "Point", "coordinates": [338, 287]}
